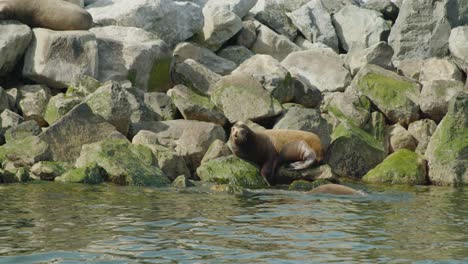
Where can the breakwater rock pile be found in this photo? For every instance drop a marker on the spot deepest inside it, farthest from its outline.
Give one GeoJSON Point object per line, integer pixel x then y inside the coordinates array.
{"type": "Point", "coordinates": [147, 96]}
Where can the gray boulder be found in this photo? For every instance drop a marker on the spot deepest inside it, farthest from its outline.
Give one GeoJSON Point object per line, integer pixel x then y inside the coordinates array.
{"type": "Point", "coordinates": [161, 104]}
{"type": "Point", "coordinates": [5, 102]}
{"type": "Point", "coordinates": [33, 101]}
{"type": "Point", "coordinates": [23, 130]}
{"type": "Point", "coordinates": [410, 68]}
{"type": "Point", "coordinates": [14, 39]}
{"type": "Point", "coordinates": [237, 54]}
{"type": "Point", "coordinates": [48, 170]}
{"type": "Point", "coordinates": [379, 54]}
{"type": "Point", "coordinates": [397, 137]}
{"type": "Point", "coordinates": [440, 69]}
{"type": "Point", "coordinates": [270, 43]}
{"type": "Point", "coordinates": [248, 34]}
{"type": "Point", "coordinates": [216, 150]}
{"type": "Point", "coordinates": [239, 7]}
{"type": "Point", "coordinates": [422, 131]}
{"type": "Point", "coordinates": [9, 119]}
{"type": "Point", "coordinates": [194, 75]}
{"type": "Point", "coordinates": [458, 46]}
{"type": "Point", "coordinates": [388, 9]}
{"type": "Point", "coordinates": [436, 95]}
{"type": "Point", "coordinates": [348, 107]}
{"type": "Point", "coordinates": [58, 106]}
{"type": "Point", "coordinates": [75, 51]}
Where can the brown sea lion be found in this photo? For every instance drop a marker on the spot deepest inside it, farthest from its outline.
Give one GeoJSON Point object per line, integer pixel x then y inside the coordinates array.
{"type": "Point", "coordinates": [272, 147]}
{"type": "Point", "coordinates": [51, 14]}
{"type": "Point", "coordinates": [335, 189]}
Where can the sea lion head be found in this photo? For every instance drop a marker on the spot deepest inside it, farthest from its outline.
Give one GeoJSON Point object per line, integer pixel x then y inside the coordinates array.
{"type": "Point", "coordinates": [239, 133]}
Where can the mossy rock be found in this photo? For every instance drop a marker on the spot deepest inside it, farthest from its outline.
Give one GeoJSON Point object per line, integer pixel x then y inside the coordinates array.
{"type": "Point", "coordinates": [350, 109]}
{"type": "Point", "coordinates": [90, 174]}
{"type": "Point", "coordinates": [7, 177]}
{"type": "Point", "coordinates": [83, 87]}
{"type": "Point", "coordinates": [28, 150]}
{"type": "Point", "coordinates": [301, 185]}
{"type": "Point", "coordinates": [402, 167]}
{"type": "Point", "coordinates": [182, 182]}
{"type": "Point", "coordinates": [58, 106]}
{"type": "Point", "coordinates": [232, 170]}
{"type": "Point", "coordinates": [49, 170]}
{"type": "Point", "coordinates": [125, 163]}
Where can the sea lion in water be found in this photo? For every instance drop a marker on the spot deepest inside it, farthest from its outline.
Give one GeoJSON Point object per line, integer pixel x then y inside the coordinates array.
{"type": "Point", "coordinates": [272, 147]}
{"type": "Point", "coordinates": [51, 14]}
{"type": "Point", "coordinates": [335, 189]}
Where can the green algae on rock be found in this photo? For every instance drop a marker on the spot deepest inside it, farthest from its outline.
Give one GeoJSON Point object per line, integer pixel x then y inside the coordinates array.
{"type": "Point", "coordinates": [232, 170]}
{"type": "Point", "coordinates": [58, 106]}
{"type": "Point", "coordinates": [28, 150]}
{"type": "Point", "coordinates": [125, 163]}
{"type": "Point", "coordinates": [303, 185]}
{"type": "Point", "coordinates": [402, 167]}
{"type": "Point", "coordinates": [49, 170]}
{"type": "Point", "coordinates": [90, 174]}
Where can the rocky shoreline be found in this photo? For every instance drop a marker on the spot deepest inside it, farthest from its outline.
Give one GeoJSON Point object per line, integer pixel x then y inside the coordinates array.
{"type": "Point", "coordinates": [148, 95]}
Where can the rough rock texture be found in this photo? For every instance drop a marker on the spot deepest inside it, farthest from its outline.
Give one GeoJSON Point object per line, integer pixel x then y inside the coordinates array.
{"type": "Point", "coordinates": [33, 101]}
{"type": "Point", "coordinates": [182, 182]}
{"type": "Point", "coordinates": [194, 106]}
{"type": "Point", "coordinates": [48, 170]}
{"type": "Point", "coordinates": [436, 95]}
{"type": "Point", "coordinates": [80, 126]}
{"type": "Point", "coordinates": [194, 75]}
{"type": "Point", "coordinates": [237, 54]}
{"type": "Point", "coordinates": [315, 23]}
{"type": "Point", "coordinates": [171, 21]}
{"type": "Point", "coordinates": [388, 9]}
{"type": "Point", "coordinates": [397, 137]}
{"type": "Point", "coordinates": [25, 151]}
{"type": "Point", "coordinates": [458, 46]}
{"type": "Point", "coordinates": [58, 106]}
{"type": "Point", "coordinates": [242, 97]}
{"type": "Point", "coordinates": [401, 167]}
{"type": "Point", "coordinates": [9, 119]}
{"type": "Point", "coordinates": [58, 58]}
{"type": "Point", "coordinates": [360, 27]}
{"type": "Point", "coordinates": [23, 130]}
{"type": "Point", "coordinates": [204, 56]}
{"type": "Point", "coordinates": [125, 163]}
{"type": "Point", "coordinates": [306, 119]}
{"type": "Point", "coordinates": [447, 150]}
{"type": "Point", "coordinates": [439, 69]}
{"type": "Point", "coordinates": [5, 100]}
{"type": "Point", "coordinates": [217, 149]}
{"type": "Point", "coordinates": [348, 107]}
{"type": "Point", "coordinates": [286, 175]}
{"type": "Point", "coordinates": [90, 174]}
{"type": "Point", "coordinates": [14, 39]}
{"type": "Point", "coordinates": [318, 68]}
{"type": "Point", "coordinates": [353, 152]}
{"type": "Point", "coordinates": [271, 74]}
{"type": "Point", "coordinates": [232, 170]}
{"type": "Point", "coordinates": [394, 95]}
{"type": "Point", "coordinates": [306, 94]}
{"type": "Point", "coordinates": [248, 34]}
{"type": "Point", "coordinates": [161, 104]}
{"type": "Point", "coordinates": [422, 131]}
{"type": "Point", "coordinates": [239, 7]}
{"type": "Point", "coordinates": [128, 53]}
{"type": "Point", "coordinates": [270, 43]}
{"type": "Point", "coordinates": [379, 54]}
{"type": "Point", "coordinates": [410, 68]}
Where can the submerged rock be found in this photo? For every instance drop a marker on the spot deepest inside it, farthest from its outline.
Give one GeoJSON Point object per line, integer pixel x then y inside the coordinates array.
{"type": "Point", "coordinates": [48, 170]}
{"type": "Point", "coordinates": [422, 131]}
{"type": "Point", "coordinates": [90, 174]}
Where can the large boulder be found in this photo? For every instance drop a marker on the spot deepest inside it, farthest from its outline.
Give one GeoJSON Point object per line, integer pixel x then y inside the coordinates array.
{"type": "Point", "coordinates": [422, 131]}
{"type": "Point", "coordinates": [129, 53]}
{"type": "Point", "coordinates": [237, 54]}
{"type": "Point", "coordinates": [270, 43]}
{"type": "Point", "coordinates": [25, 151]}
{"type": "Point", "coordinates": [9, 119]}
{"type": "Point", "coordinates": [58, 106]}
{"type": "Point", "coordinates": [447, 150]}
{"type": "Point", "coordinates": [161, 104]}
{"type": "Point", "coordinates": [242, 97]}
{"type": "Point", "coordinates": [318, 68]}
{"type": "Point", "coordinates": [248, 34]}
{"type": "Point", "coordinates": [171, 21]}
{"type": "Point", "coordinates": [458, 46]}
{"type": "Point", "coordinates": [91, 174]}
{"type": "Point", "coordinates": [194, 106]}
{"type": "Point", "coordinates": [5, 100]}
{"type": "Point", "coordinates": [239, 7]}
{"type": "Point", "coordinates": [14, 39]}
{"type": "Point", "coordinates": [314, 21]}
{"type": "Point", "coordinates": [125, 163]}
{"type": "Point", "coordinates": [33, 101]}
{"type": "Point", "coordinates": [394, 95]}
{"type": "Point", "coordinates": [206, 57]}
{"type": "Point", "coordinates": [48, 170]}
{"type": "Point", "coordinates": [216, 150]}
{"type": "Point", "coordinates": [348, 107]}
{"type": "Point", "coordinates": [436, 95]}
{"type": "Point", "coordinates": [23, 130]}
{"type": "Point", "coordinates": [232, 170]}
{"type": "Point", "coordinates": [271, 74]}
{"type": "Point", "coordinates": [360, 27]}
{"type": "Point", "coordinates": [194, 75]}
{"type": "Point", "coordinates": [397, 137]}
{"type": "Point", "coordinates": [401, 167]}
{"type": "Point", "coordinates": [434, 69]}
{"type": "Point", "coordinates": [77, 128]}
{"type": "Point", "coordinates": [379, 54]}
{"type": "Point", "coordinates": [59, 58]}
{"type": "Point", "coordinates": [388, 8]}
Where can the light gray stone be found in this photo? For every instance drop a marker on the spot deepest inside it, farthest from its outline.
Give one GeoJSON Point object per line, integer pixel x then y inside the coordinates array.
{"type": "Point", "coordinates": [161, 104]}
{"type": "Point", "coordinates": [9, 119]}
{"type": "Point", "coordinates": [240, 7]}
{"type": "Point", "coordinates": [270, 43]}
{"type": "Point", "coordinates": [410, 68]}
{"type": "Point", "coordinates": [194, 75]}
{"type": "Point", "coordinates": [379, 54]}
{"type": "Point", "coordinates": [248, 34]}
{"type": "Point", "coordinates": [440, 69]}
{"type": "Point", "coordinates": [422, 131]}
{"type": "Point", "coordinates": [397, 137]}
{"type": "Point", "coordinates": [33, 102]}
{"type": "Point", "coordinates": [58, 106]}
{"type": "Point", "coordinates": [458, 46]}
{"type": "Point", "coordinates": [237, 54]}
{"type": "Point", "coordinates": [436, 95]}
{"type": "Point", "coordinates": [14, 39]}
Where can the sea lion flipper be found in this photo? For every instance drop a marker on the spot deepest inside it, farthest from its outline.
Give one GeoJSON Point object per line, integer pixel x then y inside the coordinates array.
{"type": "Point", "coordinates": [300, 152]}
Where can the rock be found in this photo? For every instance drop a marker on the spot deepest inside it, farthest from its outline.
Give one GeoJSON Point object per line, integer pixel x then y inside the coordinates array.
{"type": "Point", "coordinates": [239, 7]}
{"type": "Point", "coordinates": [237, 54]}
{"type": "Point", "coordinates": [79, 127]}
{"type": "Point", "coordinates": [181, 182]}
{"type": "Point", "coordinates": [333, 6]}
{"type": "Point", "coordinates": [129, 53]}
{"type": "Point", "coordinates": [436, 95]}
{"type": "Point", "coordinates": [14, 39]}
{"type": "Point", "coordinates": [458, 46]}
{"type": "Point", "coordinates": [216, 150]}
{"type": "Point", "coordinates": [75, 51]}
{"type": "Point", "coordinates": [349, 107]}
{"type": "Point", "coordinates": [301, 185]}
{"type": "Point", "coordinates": [360, 27]}
{"type": "Point", "coordinates": [270, 43]}
{"type": "Point", "coordinates": [125, 163]}
{"type": "Point", "coordinates": [271, 74]}
{"type": "Point", "coordinates": [232, 170]}
{"type": "Point", "coordinates": [139, 110]}
{"type": "Point", "coordinates": [440, 69]}
{"type": "Point", "coordinates": [306, 119]}
{"type": "Point", "coordinates": [25, 151]}
{"type": "Point", "coordinates": [7, 177]}
{"type": "Point", "coordinates": [376, 126]}
{"type": "Point", "coordinates": [171, 21]}
{"type": "Point", "coordinates": [22, 174]}
{"type": "Point", "coordinates": [90, 174]}
{"type": "Point", "coordinates": [58, 106]}
{"type": "Point", "coordinates": [402, 167]}
{"type": "Point", "coordinates": [190, 139]}
{"type": "Point", "coordinates": [194, 106]}
{"type": "Point", "coordinates": [397, 137]}
{"type": "Point", "coordinates": [247, 35]}
{"type": "Point", "coordinates": [83, 87]}
{"type": "Point", "coordinates": [422, 131]}
{"type": "Point", "coordinates": [318, 68]}
{"type": "Point", "coordinates": [204, 56]}
{"type": "Point", "coordinates": [110, 102]}
{"type": "Point", "coordinates": [353, 152]}
{"type": "Point", "coordinates": [48, 170]}
{"type": "Point", "coordinates": [320, 173]}
{"type": "Point", "coordinates": [395, 96]}
{"type": "Point", "coordinates": [410, 68]}
{"type": "Point", "coordinates": [306, 94]}
{"type": "Point", "coordinates": [379, 54]}
{"type": "Point", "coordinates": [421, 30]}
{"type": "Point", "coordinates": [33, 102]}
{"type": "Point", "coordinates": [8, 120]}
{"type": "Point", "coordinates": [161, 104]}
{"type": "Point", "coordinates": [315, 23]}
{"type": "Point", "coordinates": [220, 25]}
{"type": "Point", "coordinates": [4, 100]}
{"type": "Point", "coordinates": [195, 75]}
{"type": "Point", "coordinates": [388, 9]}
{"type": "Point", "coordinates": [446, 152]}
{"type": "Point", "coordinates": [242, 97]}
{"type": "Point", "coordinates": [79, 3]}
{"type": "Point", "coordinates": [23, 130]}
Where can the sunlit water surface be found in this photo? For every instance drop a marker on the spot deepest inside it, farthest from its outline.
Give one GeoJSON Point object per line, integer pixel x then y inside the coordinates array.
{"type": "Point", "coordinates": [44, 223]}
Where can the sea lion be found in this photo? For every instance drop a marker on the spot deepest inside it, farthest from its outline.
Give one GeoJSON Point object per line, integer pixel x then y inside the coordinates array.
{"type": "Point", "coordinates": [51, 14]}
{"type": "Point", "coordinates": [335, 189]}
{"type": "Point", "coordinates": [272, 147]}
